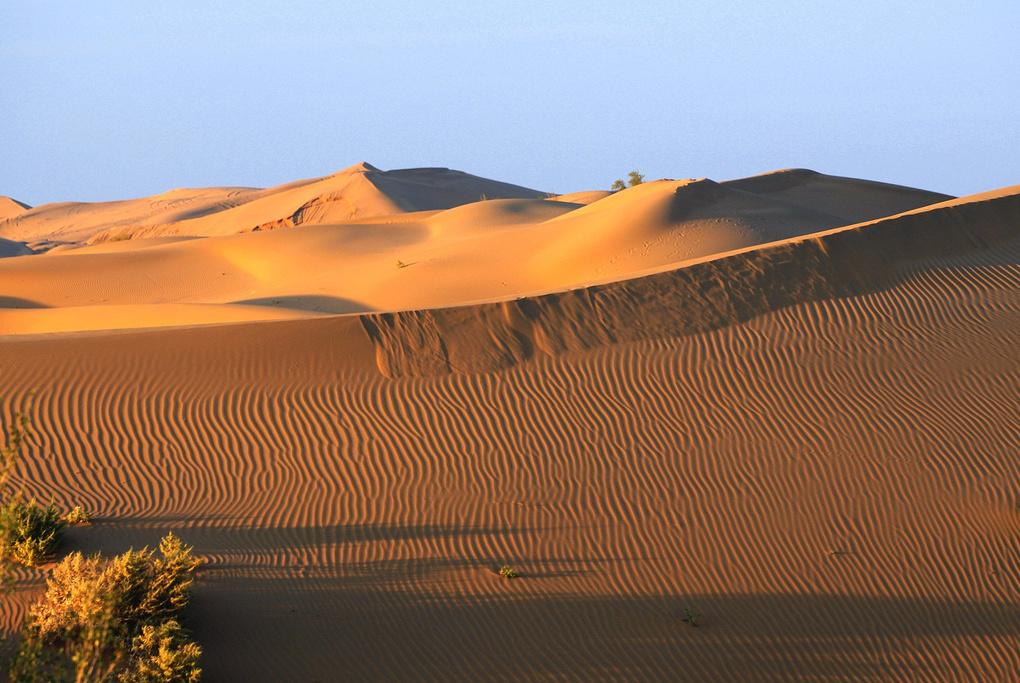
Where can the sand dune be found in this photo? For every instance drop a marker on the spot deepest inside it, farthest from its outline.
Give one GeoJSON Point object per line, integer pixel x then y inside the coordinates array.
{"type": "Point", "coordinates": [720, 396]}
{"type": "Point", "coordinates": [10, 207]}
{"type": "Point", "coordinates": [851, 199]}
{"type": "Point", "coordinates": [481, 251]}
{"type": "Point", "coordinates": [76, 222]}
{"type": "Point", "coordinates": [360, 191]}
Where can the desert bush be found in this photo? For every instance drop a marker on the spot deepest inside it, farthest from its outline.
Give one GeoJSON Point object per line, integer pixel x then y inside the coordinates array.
{"type": "Point", "coordinates": [162, 654]}
{"type": "Point", "coordinates": [77, 516]}
{"type": "Point", "coordinates": [29, 533]}
{"type": "Point", "coordinates": [508, 572]}
{"type": "Point", "coordinates": [690, 616]}
{"type": "Point", "coordinates": [113, 620]}
{"type": "Point", "coordinates": [633, 178]}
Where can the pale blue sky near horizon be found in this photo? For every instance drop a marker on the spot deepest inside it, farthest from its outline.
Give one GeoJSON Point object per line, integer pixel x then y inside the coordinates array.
{"type": "Point", "coordinates": [107, 100]}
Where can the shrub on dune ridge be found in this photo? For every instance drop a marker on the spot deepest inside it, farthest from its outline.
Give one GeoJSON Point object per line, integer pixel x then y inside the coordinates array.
{"type": "Point", "coordinates": [113, 620]}
{"type": "Point", "coordinates": [633, 178]}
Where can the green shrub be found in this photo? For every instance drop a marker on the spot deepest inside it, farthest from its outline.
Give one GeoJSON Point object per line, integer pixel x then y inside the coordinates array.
{"type": "Point", "coordinates": [113, 620]}
{"type": "Point", "coordinates": [29, 533]}
{"type": "Point", "coordinates": [508, 572]}
{"type": "Point", "coordinates": [633, 178]}
{"type": "Point", "coordinates": [690, 616]}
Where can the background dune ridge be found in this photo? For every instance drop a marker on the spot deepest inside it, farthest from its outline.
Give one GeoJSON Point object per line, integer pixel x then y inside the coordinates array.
{"type": "Point", "coordinates": [417, 238]}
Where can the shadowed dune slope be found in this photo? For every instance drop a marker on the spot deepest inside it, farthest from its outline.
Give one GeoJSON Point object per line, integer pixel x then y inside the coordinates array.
{"type": "Point", "coordinates": [813, 444]}
{"type": "Point", "coordinates": [12, 248]}
{"type": "Point", "coordinates": [851, 199]}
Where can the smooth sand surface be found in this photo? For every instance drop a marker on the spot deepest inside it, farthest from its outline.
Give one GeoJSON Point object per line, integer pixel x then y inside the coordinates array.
{"type": "Point", "coordinates": [10, 207]}
{"type": "Point", "coordinates": [360, 191]}
{"type": "Point", "coordinates": [731, 398]}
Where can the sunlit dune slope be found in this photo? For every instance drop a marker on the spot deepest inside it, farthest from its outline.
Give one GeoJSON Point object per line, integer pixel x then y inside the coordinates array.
{"type": "Point", "coordinates": [10, 207]}
{"type": "Point", "coordinates": [361, 191]}
{"type": "Point", "coordinates": [428, 258]}
{"type": "Point", "coordinates": [812, 443]}
{"type": "Point", "coordinates": [76, 222]}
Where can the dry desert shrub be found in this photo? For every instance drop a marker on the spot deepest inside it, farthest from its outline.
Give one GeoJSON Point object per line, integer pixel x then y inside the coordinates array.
{"type": "Point", "coordinates": [29, 533]}
{"type": "Point", "coordinates": [113, 620]}
{"type": "Point", "coordinates": [77, 516]}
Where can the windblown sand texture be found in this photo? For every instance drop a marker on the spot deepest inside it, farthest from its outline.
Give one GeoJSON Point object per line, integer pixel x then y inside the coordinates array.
{"type": "Point", "coordinates": [789, 402]}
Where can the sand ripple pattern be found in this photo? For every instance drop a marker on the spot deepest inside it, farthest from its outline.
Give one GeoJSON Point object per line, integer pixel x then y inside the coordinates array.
{"type": "Point", "coordinates": [833, 484]}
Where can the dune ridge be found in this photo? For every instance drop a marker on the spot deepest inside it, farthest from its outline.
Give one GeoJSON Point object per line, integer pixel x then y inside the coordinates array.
{"type": "Point", "coordinates": [361, 191]}
{"type": "Point", "coordinates": [696, 298]}
{"type": "Point", "coordinates": [496, 249]}
{"type": "Point", "coordinates": [10, 207]}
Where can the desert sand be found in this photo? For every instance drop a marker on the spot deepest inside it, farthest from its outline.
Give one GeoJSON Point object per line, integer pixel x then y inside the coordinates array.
{"type": "Point", "coordinates": [789, 402]}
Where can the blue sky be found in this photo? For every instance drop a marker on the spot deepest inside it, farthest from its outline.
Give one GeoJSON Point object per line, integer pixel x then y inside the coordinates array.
{"type": "Point", "coordinates": [106, 100]}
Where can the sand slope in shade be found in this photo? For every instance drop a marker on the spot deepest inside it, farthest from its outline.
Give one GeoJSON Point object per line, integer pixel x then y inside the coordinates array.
{"type": "Point", "coordinates": [813, 443]}
{"type": "Point", "coordinates": [12, 248]}
{"type": "Point", "coordinates": [851, 199]}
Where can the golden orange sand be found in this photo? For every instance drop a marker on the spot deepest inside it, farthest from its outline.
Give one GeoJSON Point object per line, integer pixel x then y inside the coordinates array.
{"type": "Point", "coordinates": [799, 424]}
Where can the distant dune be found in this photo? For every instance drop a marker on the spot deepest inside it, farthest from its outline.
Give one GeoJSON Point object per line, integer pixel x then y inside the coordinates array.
{"type": "Point", "coordinates": [361, 191]}
{"type": "Point", "coordinates": [367, 240]}
{"type": "Point", "coordinates": [788, 403]}
{"type": "Point", "coordinates": [10, 207]}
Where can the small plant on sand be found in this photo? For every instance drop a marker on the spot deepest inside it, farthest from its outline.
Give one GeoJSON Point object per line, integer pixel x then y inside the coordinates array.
{"type": "Point", "coordinates": [29, 533]}
{"type": "Point", "coordinates": [633, 178]}
{"type": "Point", "coordinates": [77, 516]}
{"type": "Point", "coordinates": [113, 620]}
{"type": "Point", "coordinates": [508, 572]}
{"type": "Point", "coordinates": [690, 616]}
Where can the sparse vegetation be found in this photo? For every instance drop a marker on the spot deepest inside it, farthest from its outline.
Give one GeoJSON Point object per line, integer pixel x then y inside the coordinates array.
{"type": "Point", "coordinates": [508, 572]}
{"type": "Point", "coordinates": [113, 620]}
{"type": "Point", "coordinates": [29, 533]}
{"type": "Point", "coordinates": [690, 616]}
{"type": "Point", "coordinates": [633, 178]}
{"type": "Point", "coordinates": [77, 516]}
